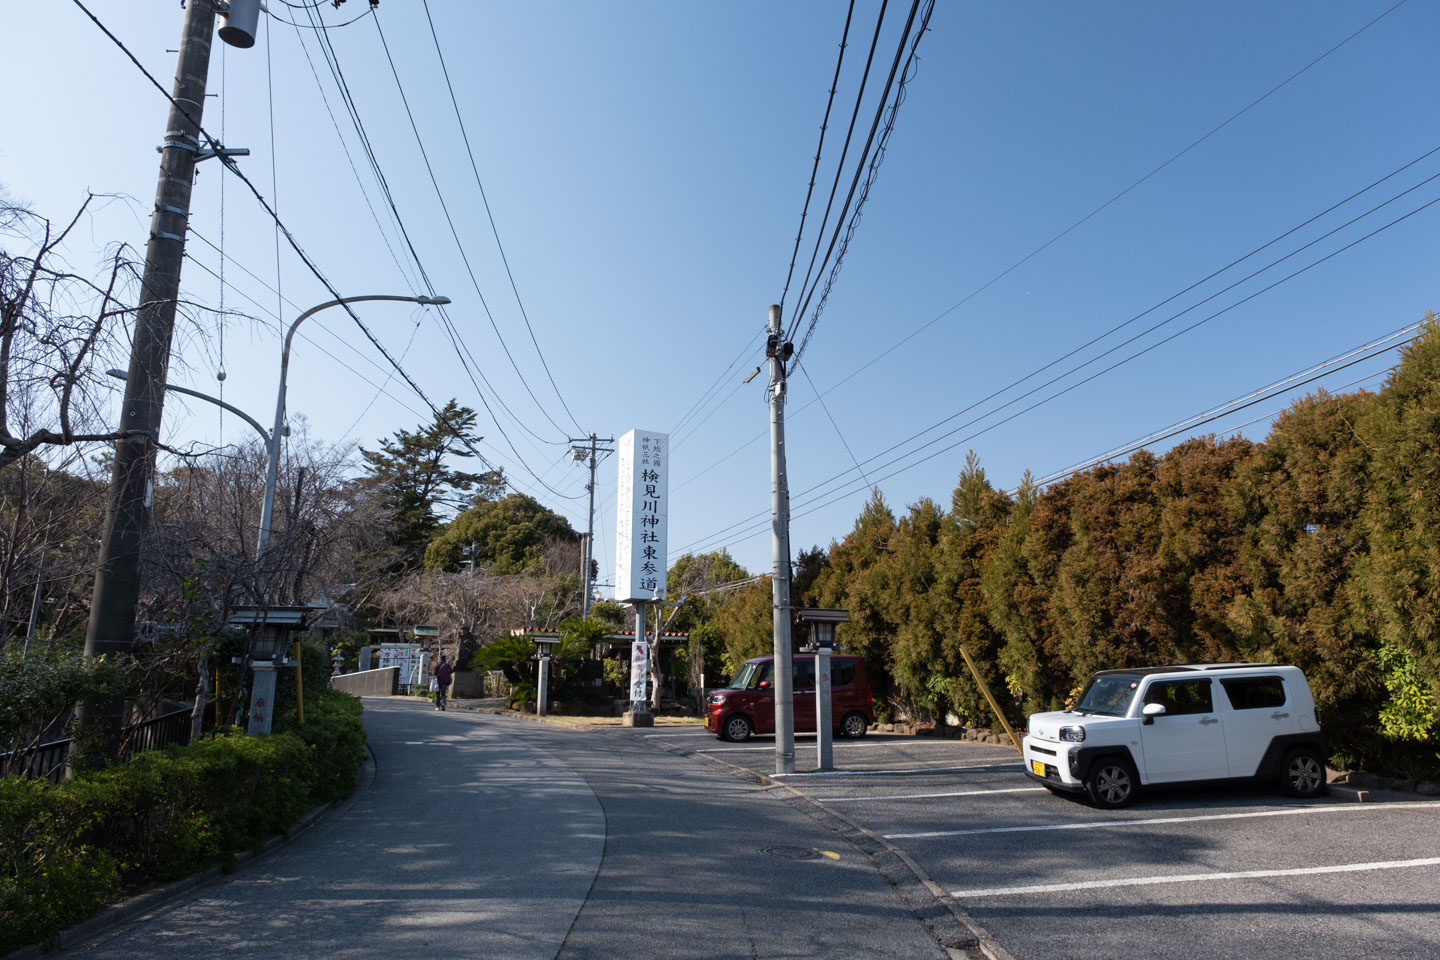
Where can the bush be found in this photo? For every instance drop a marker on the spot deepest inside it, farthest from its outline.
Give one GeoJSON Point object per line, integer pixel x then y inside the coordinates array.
{"type": "Point", "coordinates": [67, 849]}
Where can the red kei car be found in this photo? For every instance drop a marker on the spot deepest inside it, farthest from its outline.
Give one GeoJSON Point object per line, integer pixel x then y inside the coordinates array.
{"type": "Point", "coordinates": [748, 705]}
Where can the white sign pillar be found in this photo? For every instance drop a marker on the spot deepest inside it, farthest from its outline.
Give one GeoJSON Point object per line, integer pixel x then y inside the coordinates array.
{"type": "Point", "coordinates": [640, 540]}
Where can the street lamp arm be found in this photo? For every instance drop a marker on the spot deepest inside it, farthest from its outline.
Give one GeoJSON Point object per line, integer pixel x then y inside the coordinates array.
{"type": "Point", "coordinates": [422, 300]}
{"type": "Point", "coordinates": [272, 467]}
{"type": "Point", "coordinates": [264, 434]}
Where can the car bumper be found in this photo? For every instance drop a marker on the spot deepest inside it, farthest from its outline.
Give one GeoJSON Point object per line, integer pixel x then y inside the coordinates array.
{"type": "Point", "coordinates": [1050, 763]}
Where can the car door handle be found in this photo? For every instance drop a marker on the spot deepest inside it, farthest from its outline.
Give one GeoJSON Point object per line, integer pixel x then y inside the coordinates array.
{"type": "Point", "coordinates": [1205, 720]}
{"type": "Point", "coordinates": [1278, 716]}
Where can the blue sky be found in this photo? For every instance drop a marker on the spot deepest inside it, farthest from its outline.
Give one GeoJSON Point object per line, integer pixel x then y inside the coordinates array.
{"type": "Point", "coordinates": [646, 163]}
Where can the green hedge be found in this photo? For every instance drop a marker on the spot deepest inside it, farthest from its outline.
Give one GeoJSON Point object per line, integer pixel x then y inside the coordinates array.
{"type": "Point", "coordinates": [68, 849]}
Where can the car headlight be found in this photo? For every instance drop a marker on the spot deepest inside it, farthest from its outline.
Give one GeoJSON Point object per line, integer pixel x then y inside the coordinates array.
{"type": "Point", "coordinates": [1072, 734]}
{"type": "Point", "coordinates": [715, 698]}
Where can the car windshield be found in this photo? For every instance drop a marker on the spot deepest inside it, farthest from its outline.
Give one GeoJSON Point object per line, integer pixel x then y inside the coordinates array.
{"type": "Point", "coordinates": [1109, 695]}
{"type": "Point", "coordinates": [750, 676]}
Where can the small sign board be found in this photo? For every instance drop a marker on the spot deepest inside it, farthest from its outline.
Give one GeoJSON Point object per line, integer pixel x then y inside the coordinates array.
{"type": "Point", "coordinates": [409, 657]}
{"type": "Point", "coordinates": [639, 669]}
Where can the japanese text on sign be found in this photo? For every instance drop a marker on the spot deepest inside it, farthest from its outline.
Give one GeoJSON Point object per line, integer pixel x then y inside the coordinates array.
{"type": "Point", "coordinates": [642, 521]}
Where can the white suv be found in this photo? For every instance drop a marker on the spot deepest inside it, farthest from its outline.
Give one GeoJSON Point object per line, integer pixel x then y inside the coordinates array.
{"type": "Point", "coordinates": [1153, 725]}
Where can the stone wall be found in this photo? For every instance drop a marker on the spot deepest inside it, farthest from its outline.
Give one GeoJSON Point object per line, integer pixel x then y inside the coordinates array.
{"type": "Point", "coordinates": [384, 682]}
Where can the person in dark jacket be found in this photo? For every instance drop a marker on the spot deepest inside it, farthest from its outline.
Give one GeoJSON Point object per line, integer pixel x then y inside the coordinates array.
{"type": "Point", "coordinates": [443, 674]}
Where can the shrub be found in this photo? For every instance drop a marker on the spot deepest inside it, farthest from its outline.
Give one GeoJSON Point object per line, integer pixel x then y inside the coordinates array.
{"type": "Point", "coordinates": [67, 849]}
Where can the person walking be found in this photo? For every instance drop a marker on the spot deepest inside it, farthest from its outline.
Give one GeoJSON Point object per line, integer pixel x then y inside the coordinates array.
{"type": "Point", "coordinates": [441, 683]}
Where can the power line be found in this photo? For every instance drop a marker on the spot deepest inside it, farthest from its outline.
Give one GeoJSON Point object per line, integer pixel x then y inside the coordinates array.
{"type": "Point", "coordinates": [1350, 358]}
{"type": "Point", "coordinates": [1063, 233]}
{"type": "Point", "coordinates": [844, 152]}
{"type": "Point", "coordinates": [485, 200]}
{"type": "Point", "coordinates": [464, 257]}
{"type": "Point", "coordinates": [299, 250]}
{"type": "Point", "coordinates": [1096, 339]}
{"type": "Point", "coordinates": [819, 149]}
{"type": "Point", "coordinates": [1066, 389]}
{"type": "Point", "coordinates": [875, 160]}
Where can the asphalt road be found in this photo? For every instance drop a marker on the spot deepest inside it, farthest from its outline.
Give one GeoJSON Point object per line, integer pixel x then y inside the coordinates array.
{"type": "Point", "coordinates": [483, 836]}
{"type": "Point", "coordinates": [1212, 873]}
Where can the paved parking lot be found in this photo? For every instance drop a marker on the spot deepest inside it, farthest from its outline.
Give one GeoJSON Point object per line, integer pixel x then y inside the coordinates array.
{"type": "Point", "coordinates": [1209, 873]}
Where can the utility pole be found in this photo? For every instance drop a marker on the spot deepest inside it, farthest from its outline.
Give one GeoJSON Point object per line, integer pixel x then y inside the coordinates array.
{"type": "Point", "coordinates": [117, 582]}
{"type": "Point", "coordinates": [779, 352]}
{"type": "Point", "coordinates": [579, 453]}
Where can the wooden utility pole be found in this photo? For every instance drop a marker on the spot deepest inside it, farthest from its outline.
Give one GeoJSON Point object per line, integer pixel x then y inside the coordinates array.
{"type": "Point", "coordinates": [779, 351]}
{"type": "Point", "coordinates": [117, 582]}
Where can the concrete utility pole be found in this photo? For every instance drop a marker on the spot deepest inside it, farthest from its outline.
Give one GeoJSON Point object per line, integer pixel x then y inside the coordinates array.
{"type": "Point", "coordinates": [117, 582]}
{"type": "Point", "coordinates": [779, 352]}
{"type": "Point", "coordinates": [579, 454]}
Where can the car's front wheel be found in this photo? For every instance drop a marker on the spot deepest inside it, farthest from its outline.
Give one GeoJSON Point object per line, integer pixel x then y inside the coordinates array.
{"type": "Point", "coordinates": [1112, 783]}
{"type": "Point", "coordinates": [1304, 772]}
{"type": "Point", "coordinates": [737, 728]}
{"type": "Point", "coordinates": [853, 726]}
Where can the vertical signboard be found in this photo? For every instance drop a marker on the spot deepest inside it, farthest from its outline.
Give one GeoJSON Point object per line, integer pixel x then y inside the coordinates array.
{"type": "Point", "coordinates": [639, 669]}
{"type": "Point", "coordinates": [641, 525]}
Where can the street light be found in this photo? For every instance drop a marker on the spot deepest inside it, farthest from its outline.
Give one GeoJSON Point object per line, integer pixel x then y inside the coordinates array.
{"type": "Point", "coordinates": [273, 466]}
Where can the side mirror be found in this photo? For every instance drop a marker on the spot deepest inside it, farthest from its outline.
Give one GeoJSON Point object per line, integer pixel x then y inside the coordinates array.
{"type": "Point", "coordinates": [1151, 711]}
{"type": "Point", "coordinates": [764, 684]}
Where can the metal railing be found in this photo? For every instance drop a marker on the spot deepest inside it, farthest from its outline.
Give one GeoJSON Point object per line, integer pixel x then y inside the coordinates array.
{"type": "Point", "coordinates": [46, 761]}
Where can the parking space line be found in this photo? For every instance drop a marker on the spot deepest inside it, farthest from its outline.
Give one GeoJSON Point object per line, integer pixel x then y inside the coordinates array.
{"type": "Point", "coordinates": [678, 733]}
{"type": "Point", "coordinates": [1196, 878]}
{"type": "Point", "coordinates": [928, 796]}
{"type": "Point", "coordinates": [1100, 824]}
{"type": "Point", "coordinates": [979, 765]}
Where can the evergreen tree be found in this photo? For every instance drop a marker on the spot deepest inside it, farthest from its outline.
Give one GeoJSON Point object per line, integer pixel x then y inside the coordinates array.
{"type": "Point", "coordinates": [508, 535]}
{"type": "Point", "coordinates": [412, 477]}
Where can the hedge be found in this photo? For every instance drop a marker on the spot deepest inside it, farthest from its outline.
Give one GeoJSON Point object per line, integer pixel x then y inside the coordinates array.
{"type": "Point", "coordinates": [68, 849]}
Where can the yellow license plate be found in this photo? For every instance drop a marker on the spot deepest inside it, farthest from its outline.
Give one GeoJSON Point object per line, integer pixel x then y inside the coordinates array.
{"type": "Point", "coordinates": [1038, 767]}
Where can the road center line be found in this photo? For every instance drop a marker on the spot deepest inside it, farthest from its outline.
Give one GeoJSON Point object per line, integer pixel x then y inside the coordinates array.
{"type": "Point", "coordinates": [927, 796]}
{"type": "Point", "coordinates": [1096, 825]}
{"type": "Point", "coordinates": [1196, 878]}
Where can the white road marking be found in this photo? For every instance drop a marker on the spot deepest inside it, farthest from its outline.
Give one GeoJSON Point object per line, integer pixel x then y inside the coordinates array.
{"type": "Point", "coordinates": [1196, 878]}
{"type": "Point", "coordinates": [979, 765]}
{"type": "Point", "coordinates": [1099, 824]}
{"type": "Point", "coordinates": [682, 733]}
{"type": "Point", "coordinates": [928, 796]}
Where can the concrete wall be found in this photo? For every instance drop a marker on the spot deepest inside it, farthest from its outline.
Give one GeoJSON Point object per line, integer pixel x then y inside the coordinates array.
{"type": "Point", "coordinates": [384, 682]}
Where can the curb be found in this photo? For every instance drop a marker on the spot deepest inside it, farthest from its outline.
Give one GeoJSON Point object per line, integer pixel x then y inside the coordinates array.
{"type": "Point", "coordinates": [161, 896]}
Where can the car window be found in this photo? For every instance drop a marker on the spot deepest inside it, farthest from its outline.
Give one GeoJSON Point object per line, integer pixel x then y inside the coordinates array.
{"type": "Point", "coordinates": [842, 674]}
{"type": "Point", "coordinates": [1109, 695]}
{"type": "Point", "coordinates": [1181, 696]}
{"type": "Point", "coordinates": [1254, 693]}
{"type": "Point", "coordinates": [803, 674]}
{"type": "Point", "coordinates": [763, 674]}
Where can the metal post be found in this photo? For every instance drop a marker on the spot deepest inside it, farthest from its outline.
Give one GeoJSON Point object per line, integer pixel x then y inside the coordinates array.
{"type": "Point", "coordinates": [639, 704]}
{"type": "Point", "coordinates": [111, 629]}
{"type": "Point", "coordinates": [780, 527]}
{"type": "Point", "coordinates": [299, 684]}
{"type": "Point", "coordinates": [824, 748]}
{"type": "Point", "coordinates": [272, 466]}
{"type": "Point", "coordinates": [543, 695]}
